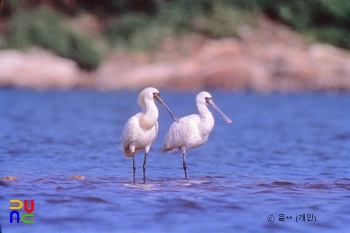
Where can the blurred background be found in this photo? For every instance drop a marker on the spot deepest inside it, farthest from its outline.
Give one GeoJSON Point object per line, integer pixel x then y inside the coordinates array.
{"type": "Point", "coordinates": [251, 45]}
{"type": "Point", "coordinates": [285, 153]}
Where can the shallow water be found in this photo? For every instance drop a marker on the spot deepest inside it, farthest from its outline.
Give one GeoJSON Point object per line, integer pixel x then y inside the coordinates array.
{"type": "Point", "coordinates": [284, 154]}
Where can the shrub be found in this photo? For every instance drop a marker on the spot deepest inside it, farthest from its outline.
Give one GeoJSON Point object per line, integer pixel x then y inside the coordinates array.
{"type": "Point", "coordinates": [137, 32]}
{"type": "Point", "coordinates": [223, 21]}
{"type": "Point", "coordinates": [141, 31]}
{"type": "Point", "coordinates": [150, 37]}
{"type": "Point", "coordinates": [327, 21]}
{"type": "Point", "coordinates": [121, 30]}
{"type": "Point", "coordinates": [333, 35]}
{"type": "Point", "coordinates": [43, 28]}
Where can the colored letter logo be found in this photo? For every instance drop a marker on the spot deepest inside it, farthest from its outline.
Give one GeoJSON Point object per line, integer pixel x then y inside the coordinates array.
{"type": "Point", "coordinates": [16, 205]}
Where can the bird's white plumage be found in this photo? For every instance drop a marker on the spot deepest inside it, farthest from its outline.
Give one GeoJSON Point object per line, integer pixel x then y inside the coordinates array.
{"type": "Point", "coordinates": [141, 129]}
{"type": "Point", "coordinates": [135, 137]}
{"type": "Point", "coordinates": [191, 131]}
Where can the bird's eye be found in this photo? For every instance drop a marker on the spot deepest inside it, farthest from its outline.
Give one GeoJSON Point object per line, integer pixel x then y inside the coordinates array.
{"type": "Point", "coordinates": [207, 99]}
{"type": "Point", "coordinates": [155, 95]}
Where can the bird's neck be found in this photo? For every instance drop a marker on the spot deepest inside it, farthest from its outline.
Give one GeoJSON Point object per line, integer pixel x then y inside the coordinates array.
{"type": "Point", "coordinates": [150, 116]}
{"type": "Point", "coordinates": [207, 119]}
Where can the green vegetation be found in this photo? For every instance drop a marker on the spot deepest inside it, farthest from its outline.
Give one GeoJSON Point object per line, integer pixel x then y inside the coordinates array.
{"type": "Point", "coordinates": [223, 21]}
{"type": "Point", "coordinates": [146, 30]}
{"type": "Point", "coordinates": [324, 20]}
{"type": "Point", "coordinates": [136, 32]}
{"type": "Point", "coordinates": [143, 24]}
{"type": "Point", "coordinates": [43, 27]}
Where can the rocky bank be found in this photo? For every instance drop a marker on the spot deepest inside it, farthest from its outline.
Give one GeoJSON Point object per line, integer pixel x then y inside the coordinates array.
{"type": "Point", "coordinates": [270, 57]}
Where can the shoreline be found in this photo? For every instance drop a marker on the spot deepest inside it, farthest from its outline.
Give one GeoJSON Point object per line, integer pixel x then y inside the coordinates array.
{"type": "Point", "coordinates": [268, 58]}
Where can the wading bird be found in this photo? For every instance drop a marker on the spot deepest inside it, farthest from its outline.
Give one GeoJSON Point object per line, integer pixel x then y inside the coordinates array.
{"type": "Point", "coordinates": [193, 130]}
{"type": "Point", "coordinates": [141, 129]}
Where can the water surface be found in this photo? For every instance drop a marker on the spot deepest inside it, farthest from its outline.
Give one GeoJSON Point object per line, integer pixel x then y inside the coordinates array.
{"type": "Point", "coordinates": [283, 154]}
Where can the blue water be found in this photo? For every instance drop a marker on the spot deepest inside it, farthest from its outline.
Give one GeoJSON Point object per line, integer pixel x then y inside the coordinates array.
{"type": "Point", "coordinates": [283, 154]}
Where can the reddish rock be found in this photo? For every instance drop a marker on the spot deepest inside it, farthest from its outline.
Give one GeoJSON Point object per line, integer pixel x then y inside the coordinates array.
{"type": "Point", "coordinates": [270, 57]}
{"type": "Point", "coordinates": [37, 69]}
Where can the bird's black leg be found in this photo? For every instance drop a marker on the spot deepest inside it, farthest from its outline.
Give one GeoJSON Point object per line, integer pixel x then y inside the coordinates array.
{"type": "Point", "coordinates": [133, 166]}
{"type": "Point", "coordinates": [144, 168]}
{"type": "Point", "coordinates": [184, 163]}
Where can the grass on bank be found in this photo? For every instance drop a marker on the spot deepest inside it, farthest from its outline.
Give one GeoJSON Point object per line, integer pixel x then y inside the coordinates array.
{"type": "Point", "coordinates": [145, 32]}
{"type": "Point", "coordinates": [135, 27]}
{"type": "Point", "coordinates": [43, 27]}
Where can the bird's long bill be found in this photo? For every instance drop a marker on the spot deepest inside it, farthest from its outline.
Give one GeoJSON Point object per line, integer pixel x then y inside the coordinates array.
{"type": "Point", "coordinates": [228, 120]}
{"type": "Point", "coordinates": [166, 107]}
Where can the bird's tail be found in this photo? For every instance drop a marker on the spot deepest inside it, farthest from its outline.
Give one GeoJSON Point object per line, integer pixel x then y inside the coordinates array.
{"type": "Point", "coordinates": [164, 149]}
{"type": "Point", "coordinates": [127, 152]}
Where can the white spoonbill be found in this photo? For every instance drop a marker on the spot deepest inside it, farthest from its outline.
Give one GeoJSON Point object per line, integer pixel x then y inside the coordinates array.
{"type": "Point", "coordinates": [141, 129]}
{"type": "Point", "coordinates": [193, 130]}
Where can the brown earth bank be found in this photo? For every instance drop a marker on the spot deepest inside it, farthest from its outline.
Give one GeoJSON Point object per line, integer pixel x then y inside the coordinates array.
{"type": "Point", "coordinates": [270, 57]}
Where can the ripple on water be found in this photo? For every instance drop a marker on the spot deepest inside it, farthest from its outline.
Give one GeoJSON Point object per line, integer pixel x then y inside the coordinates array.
{"type": "Point", "coordinates": [142, 186]}
{"type": "Point", "coordinates": [172, 183]}
{"type": "Point", "coordinates": [92, 199]}
{"type": "Point", "coordinates": [183, 203]}
{"type": "Point", "coordinates": [280, 162]}
{"type": "Point", "coordinates": [283, 183]}
{"type": "Point", "coordinates": [320, 186]}
{"type": "Point", "coordinates": [342, 137]}
{"type": "Point", "coordinates": [58, 201]}
{"type": "Point", "coordinates": [3, 183]}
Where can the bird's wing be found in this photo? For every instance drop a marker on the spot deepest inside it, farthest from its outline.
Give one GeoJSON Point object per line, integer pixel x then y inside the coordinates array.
{"type": "Point", "coordinates": [180, 132]}
{"type": "Point", "coordinates": [156, 129]}
{"type": "Point", "coordinates": [128, 133]}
